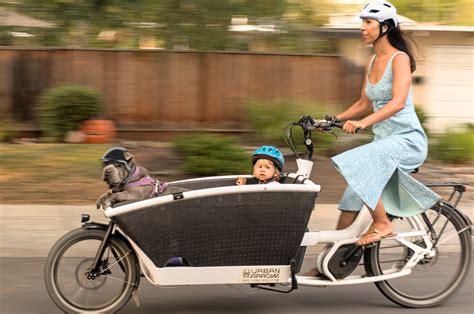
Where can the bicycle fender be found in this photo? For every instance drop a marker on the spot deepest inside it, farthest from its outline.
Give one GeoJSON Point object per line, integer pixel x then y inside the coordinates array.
{"type": "Point", "coordinates": [94, 225]}
{"type": "Point", "coordinates": [463, 216]}
{"type": "Point", "coordinates": [97, 225]}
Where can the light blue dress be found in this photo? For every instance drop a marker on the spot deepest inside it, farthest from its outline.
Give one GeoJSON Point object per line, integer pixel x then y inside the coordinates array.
{"type": "Point", "coordinates": [380, 169]}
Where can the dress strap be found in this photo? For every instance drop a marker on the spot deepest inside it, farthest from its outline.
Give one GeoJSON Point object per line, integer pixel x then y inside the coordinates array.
{"type": "Point", "coordinates": [397, 53]}
{"type": "Point", "coordinates": [370, 66]}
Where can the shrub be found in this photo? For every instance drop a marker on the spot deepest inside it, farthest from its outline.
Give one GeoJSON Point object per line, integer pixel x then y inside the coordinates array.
{"type": "Point", "coordinates": [207, 154]}
{"type": "Point", "coordinates": [422, 117]}
{"type": "Point", "coordinates": [269, 120]}
{"type": "Point", "coordinates": [454, 147]}
{"type": "Point", "coordinates": [63, 108]}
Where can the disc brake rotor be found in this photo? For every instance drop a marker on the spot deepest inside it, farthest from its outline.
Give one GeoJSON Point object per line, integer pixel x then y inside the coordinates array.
{"type": "Point", "coordinates": [83, 277]}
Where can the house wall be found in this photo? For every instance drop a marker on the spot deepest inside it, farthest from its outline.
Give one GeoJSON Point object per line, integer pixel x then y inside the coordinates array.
{"type": "Point", "coordinates": [427, 79]}
{"type": "Point", "coordinates": [446, 71]}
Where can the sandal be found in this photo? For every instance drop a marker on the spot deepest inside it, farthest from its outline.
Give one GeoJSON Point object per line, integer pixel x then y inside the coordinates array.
{"type": "Point", "coordinates": [376, 235]}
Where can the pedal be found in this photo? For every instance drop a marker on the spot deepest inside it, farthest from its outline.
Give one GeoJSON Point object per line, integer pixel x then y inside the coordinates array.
{"type": "Point", "coordinates": [135, 298]}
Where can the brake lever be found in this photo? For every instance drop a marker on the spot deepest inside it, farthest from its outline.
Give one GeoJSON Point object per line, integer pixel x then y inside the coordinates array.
{"type": "Point", "coordinates": [307, 123]}
{"type": "Point", "coordinates": [325, 127]}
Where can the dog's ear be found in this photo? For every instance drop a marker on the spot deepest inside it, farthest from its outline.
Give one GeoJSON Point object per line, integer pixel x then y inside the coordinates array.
{"type": "Point", "coordinates": [128, 156]}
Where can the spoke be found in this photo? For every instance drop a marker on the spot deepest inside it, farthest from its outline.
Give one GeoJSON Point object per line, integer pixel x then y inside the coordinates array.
{"type": "Point", "coordinates": [108, 267]}
{"type": "Point", "coordinates": [115, 278]}
{"type": "Point", "coordinates": [85, 297]}
{"type": "Point", "coordinates": [452, 235]}
{"type": "Point", "coordinates": [67, 281]}
{"type": "Point", "coordinates": [75, 293]}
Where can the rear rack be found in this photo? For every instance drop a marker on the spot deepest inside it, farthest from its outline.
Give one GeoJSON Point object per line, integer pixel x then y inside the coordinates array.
{"type": "Point", "coordinates": [458, 187]}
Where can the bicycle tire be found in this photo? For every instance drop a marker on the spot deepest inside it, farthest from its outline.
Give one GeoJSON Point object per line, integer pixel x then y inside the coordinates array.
{"type": "Point", "coordinates": [76, 249]}
{"type": "Point", "coordinates": [393, 289]}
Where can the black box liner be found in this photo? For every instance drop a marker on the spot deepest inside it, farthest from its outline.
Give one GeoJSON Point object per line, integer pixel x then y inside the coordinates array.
{"type": "Point", "coordinates": [258, 228]}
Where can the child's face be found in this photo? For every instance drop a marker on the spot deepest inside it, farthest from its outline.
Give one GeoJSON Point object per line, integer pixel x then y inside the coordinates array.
{"type": "Point", "coordinates": [264, 170]}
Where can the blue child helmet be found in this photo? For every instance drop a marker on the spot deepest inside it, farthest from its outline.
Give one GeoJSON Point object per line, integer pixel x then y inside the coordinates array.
{"type": "Point", "coordinates": [270, 153]}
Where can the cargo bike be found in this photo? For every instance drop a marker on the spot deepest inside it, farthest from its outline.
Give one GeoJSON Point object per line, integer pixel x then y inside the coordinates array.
{"type": "Point", "coordinates": [216, 233]}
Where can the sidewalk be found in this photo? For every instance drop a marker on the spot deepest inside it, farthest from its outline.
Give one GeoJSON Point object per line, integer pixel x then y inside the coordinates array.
{"type": "Point", "coordinates": [31, 230]}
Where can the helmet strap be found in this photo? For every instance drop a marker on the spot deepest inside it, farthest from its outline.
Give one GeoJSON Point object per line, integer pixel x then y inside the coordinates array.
{"type": "Point", "coordinates": [382, 33]}
{"type": "Point", "coordinates": [130, 174]}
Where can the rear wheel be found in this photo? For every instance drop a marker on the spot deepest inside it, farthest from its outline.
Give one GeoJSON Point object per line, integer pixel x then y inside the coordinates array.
{"type": "Point", "coordinates": [435, 278]}
{"type": "Point", "coordinates": [75, 289]}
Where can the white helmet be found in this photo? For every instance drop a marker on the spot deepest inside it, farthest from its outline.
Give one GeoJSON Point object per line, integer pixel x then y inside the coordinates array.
{"type": "Point", "coordinates": [380, 11]}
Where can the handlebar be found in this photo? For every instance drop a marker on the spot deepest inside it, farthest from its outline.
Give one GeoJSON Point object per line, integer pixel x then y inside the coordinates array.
{"type": "Point", "coordinates": [309, 124]}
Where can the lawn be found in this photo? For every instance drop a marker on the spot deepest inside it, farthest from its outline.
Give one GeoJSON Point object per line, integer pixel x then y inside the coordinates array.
{"type": "Point", "coordinates": [71, 173]}
{"type": "Point", "coordinates": [50, 173]}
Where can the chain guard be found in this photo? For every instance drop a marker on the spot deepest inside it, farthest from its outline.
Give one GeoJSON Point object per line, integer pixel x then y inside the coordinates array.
{"type": "Point", "coordinates": [340, 266]}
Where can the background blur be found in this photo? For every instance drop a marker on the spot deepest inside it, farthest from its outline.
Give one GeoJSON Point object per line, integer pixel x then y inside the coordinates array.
{"type": "Point", "coordinates": [191, 87]}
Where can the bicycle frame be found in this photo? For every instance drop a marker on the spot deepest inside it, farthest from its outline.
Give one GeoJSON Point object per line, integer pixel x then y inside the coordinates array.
{"type": "Point", "coordinates": [183, 275]}
{"type": "Point", "coordinates": [254, 234]}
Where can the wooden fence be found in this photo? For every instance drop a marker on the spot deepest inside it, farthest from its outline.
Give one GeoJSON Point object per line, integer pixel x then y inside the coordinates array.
{"type": "Point", "coordinates": [167, 88]}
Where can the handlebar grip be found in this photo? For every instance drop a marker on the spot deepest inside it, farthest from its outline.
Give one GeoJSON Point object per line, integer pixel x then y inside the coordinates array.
{"type": "Point", "coordinates": [340, 124]}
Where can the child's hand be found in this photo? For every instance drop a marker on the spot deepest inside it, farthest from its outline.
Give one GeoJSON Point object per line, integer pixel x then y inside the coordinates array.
{"type": "Point", "coordinates": [241, 181]}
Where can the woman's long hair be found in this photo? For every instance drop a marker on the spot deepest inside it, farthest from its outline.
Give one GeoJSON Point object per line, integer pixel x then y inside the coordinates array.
{"type": "Point", "coordinates": [401, 41]}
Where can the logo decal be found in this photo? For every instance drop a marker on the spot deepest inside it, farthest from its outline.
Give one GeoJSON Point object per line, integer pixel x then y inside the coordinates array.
{"type": "Point", "coordinates": [261, 274]}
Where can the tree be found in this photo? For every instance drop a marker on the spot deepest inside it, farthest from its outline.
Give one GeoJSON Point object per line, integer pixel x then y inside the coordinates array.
{"type": "Point", "coordinates": [451, 12]}
{"type": "Point", "coordinates": [193, 24]}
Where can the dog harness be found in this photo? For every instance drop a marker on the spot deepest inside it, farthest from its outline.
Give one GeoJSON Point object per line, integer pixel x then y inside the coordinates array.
{"type": "Point", "coordinates": [159, 187]}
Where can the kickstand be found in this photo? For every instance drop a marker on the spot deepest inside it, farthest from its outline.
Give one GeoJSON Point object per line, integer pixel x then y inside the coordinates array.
{"type": "Point", "coordinates": [294, 282]}
{"type": "Point", "coordinates": [135, 298]}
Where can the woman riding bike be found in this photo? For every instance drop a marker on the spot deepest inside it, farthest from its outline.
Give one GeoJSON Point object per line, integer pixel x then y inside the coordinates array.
{"type": "Point", "coordinates": [376, 173]}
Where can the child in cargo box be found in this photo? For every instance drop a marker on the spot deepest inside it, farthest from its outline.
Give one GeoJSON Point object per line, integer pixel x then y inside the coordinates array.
{"type": "Point", "coordinates": [267, 163]}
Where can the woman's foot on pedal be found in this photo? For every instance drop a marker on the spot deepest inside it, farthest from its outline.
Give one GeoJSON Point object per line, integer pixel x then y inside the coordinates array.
{"type": "Point", "coordinates": [376, 233]}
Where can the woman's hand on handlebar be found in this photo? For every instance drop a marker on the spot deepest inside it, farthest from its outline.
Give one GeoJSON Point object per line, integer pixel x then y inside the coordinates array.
{"type": "Point", "coordinates": [353, 127]}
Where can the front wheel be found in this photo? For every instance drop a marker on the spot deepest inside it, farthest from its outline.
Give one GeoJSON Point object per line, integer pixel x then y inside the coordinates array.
{"type": "Point", "coordinates": [75, 289]}
{"type": "Point", "coordinates": [436, 277]}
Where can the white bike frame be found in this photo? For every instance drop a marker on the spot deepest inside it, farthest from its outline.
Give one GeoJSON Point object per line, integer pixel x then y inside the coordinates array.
{"type": "Point", "coordinates": [184, 275]}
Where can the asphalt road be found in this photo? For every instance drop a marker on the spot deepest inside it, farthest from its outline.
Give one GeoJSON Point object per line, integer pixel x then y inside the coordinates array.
{"type": "Point", "coordinates": [28, 232]}
{"type": "Point", "coordinates": [23, 291]}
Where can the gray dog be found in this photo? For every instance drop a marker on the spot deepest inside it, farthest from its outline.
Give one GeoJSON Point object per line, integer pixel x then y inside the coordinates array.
{"type": "Point", "coordinates": [127, 180]}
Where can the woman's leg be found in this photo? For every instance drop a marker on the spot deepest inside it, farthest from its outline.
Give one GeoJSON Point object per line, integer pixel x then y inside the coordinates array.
{"type": "Point", "coordinates": [346, 218]}
{"type": "Point", "coordinates": [382, 225]}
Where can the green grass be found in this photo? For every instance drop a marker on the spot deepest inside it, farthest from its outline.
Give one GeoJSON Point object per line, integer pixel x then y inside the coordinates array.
{"type": "Point", "coordinates": [57, 157]}
{"type": "Point", "coordinates": [50, 173]}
